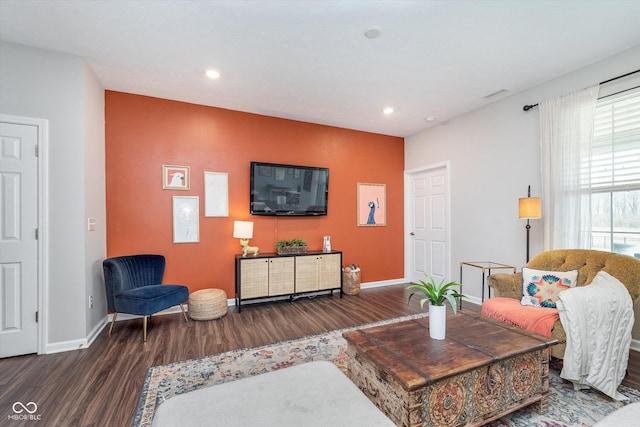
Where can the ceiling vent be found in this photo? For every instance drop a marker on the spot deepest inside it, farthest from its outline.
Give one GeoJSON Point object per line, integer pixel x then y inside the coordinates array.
{"type": "Point", "coordinates": [494, 94]}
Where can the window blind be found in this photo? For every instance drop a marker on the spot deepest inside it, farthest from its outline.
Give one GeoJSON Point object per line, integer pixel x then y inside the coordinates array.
{"type": "Point", "coordinates": [615, 151]}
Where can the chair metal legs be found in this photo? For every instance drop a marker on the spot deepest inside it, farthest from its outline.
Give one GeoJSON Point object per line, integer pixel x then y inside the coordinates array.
{"type": "Point", "coordinates": [113, 321]}
{"type": "Point", "coordinates": [145, 321]}
{"type": "Point", "coordinates": [184, 313]}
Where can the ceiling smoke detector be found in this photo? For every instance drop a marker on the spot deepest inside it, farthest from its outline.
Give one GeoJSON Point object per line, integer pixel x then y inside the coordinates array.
{"type": "Point", "coordinates": [373, 32]}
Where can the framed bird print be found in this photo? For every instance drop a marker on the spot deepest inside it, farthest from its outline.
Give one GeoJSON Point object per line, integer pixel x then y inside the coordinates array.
{"type": "Point", "coordinates": [372, 205]}
{"type": "Point", "coordinates": [175, 177]}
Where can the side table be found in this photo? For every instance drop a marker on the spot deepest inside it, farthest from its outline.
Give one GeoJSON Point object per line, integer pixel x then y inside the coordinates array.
{"type": "Point", "coordinates": [485, 266]}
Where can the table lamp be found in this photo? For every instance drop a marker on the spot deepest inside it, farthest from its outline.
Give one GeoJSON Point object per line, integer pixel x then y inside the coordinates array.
{"type": "Point", "coordinates": [529, 208]}
{"type": "Point", "coordinates": [243, 230]}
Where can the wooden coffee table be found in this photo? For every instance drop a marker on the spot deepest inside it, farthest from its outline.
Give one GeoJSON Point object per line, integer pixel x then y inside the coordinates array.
{"type": "Point", "coordinates": [483, 370]}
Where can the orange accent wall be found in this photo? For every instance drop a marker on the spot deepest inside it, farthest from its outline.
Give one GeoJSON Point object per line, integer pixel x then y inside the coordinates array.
{"type": "Point", "coordinates": [144, 133]}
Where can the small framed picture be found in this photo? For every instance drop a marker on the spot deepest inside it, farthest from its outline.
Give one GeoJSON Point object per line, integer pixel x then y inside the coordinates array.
{"type": "Point", "coordinates": [175, 177]}
{"type": "Point", "coordinates": [372, 205]}
{"type": "Point", "coordinates": [216, 194]}
{"type": "Point", "coordinates": [186, 219]}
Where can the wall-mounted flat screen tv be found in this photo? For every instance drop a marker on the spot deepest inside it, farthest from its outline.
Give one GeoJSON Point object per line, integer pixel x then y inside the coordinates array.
{"type": "Point", "coordinates": [278, 189]}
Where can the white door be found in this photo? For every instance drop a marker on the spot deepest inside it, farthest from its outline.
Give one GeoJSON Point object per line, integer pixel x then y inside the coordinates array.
{"type": "Point", "coordinates": [18, 241]}
{"type": "Point", "coordinates": [428, 224]}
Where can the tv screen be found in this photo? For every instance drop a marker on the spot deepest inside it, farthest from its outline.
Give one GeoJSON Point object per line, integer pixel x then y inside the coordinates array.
{"type": "Point", "coordinates": [278, 189]}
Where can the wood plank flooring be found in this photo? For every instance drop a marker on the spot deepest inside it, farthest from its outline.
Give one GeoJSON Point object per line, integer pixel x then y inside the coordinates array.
{"type": "Point", "coordinates": [100, 386]}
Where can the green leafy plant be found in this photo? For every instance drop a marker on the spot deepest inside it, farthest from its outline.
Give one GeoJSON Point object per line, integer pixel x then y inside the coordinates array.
{"type": "Point", "coordinates": [290, 243]}
{"type": "Point", "coordinates": [436, 293]}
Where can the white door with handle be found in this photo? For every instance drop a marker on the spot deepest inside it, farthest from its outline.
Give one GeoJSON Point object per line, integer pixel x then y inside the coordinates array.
{"type": "Point", "coordinates": [428, 221]}
{"type": "Point", "coordinates": [18, 240]}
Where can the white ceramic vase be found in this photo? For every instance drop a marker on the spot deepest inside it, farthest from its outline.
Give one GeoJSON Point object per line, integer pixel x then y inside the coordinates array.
{"type": "Point", "coordinates": [437, 321]}
{"type": "Point", "coordinates": [326, 245]}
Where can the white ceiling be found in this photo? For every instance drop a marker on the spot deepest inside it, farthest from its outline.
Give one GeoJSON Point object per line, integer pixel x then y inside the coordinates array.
{"type": "Point", "coordinates": [310, 61]}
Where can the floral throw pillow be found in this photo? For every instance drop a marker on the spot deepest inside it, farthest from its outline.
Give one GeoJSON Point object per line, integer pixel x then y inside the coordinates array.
{"type": "Point", "coordinates": [541, 288]}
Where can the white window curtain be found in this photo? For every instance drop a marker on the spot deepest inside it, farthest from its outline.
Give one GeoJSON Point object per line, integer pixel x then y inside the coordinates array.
{"type": "Point", "coordinates": [566, 132]}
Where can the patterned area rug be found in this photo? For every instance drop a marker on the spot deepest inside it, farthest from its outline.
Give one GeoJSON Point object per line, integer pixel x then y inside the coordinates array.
{"type": "Point", "coordinates": [567, 407]}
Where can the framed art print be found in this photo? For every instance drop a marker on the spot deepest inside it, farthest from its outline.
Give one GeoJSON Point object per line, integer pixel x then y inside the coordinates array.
{"type": "Point", "coordinates": [371, 205]}
{"type": "Point", "coordinates": [216, 194]}
{"type": "Point", "coordinates": [186, 219]}
{"type": "Point", "coordinates": [175, 177]}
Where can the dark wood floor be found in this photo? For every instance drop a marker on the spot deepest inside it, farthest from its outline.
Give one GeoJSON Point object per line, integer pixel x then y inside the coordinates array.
{"type": "Point", "coordinates": [100, 386]}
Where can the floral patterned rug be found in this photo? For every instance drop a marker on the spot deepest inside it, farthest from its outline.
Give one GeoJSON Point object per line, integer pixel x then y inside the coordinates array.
{"type": "Point", "coordinates": [567, 407]}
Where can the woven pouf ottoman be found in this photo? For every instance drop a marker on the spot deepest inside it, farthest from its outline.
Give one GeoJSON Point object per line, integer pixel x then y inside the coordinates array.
{"type": "Point", "coordinates": [207, 304]}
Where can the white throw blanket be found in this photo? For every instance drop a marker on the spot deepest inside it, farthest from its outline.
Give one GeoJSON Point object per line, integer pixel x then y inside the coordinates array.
{"type": "Point", "coordinates": [598, 319]}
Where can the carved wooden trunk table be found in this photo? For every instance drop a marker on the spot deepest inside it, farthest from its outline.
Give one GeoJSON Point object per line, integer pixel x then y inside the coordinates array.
{"type": "Point", "coordinates": [481, 371]}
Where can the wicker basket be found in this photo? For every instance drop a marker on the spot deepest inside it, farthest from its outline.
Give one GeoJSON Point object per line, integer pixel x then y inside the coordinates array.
{"type": "Point", "coordinates": [351, 282]}
{"type": "Point", "coordinates": [207, 304]}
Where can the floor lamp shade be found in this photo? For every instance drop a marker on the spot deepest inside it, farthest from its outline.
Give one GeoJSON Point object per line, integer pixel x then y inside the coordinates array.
{"type": "Point", "coordinates": [529, 208]}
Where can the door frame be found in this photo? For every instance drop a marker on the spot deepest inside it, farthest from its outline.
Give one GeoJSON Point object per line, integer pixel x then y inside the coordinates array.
{"type": "Point", "coordinates": [43, 214]}
{"type": "Point", "coordinates": [408, 200]}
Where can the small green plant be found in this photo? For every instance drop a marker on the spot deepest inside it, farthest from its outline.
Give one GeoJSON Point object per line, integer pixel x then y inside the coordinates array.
{"type": "Point", "coordinates": [436, 293]}
{"type": "Point", "coordinates": [290, 243]}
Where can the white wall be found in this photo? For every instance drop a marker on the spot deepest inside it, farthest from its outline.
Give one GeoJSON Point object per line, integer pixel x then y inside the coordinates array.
{"type": "Point", "coordinates": [494, 154]}
{"type": "Point", "coordinates": [57, 87]}
{"type": "Point", "coordinates": [95, 201]}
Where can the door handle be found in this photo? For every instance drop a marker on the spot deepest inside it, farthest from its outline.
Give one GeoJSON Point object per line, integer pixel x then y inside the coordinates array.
{"type": "Point", "coordinates": [412, 234]}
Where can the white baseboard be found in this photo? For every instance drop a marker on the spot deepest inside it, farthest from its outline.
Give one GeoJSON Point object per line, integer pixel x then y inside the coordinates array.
{"type": "Point", "coordinates": [96, 331]}
{"type": "Point", "coordinates": [369, 285]}
{"type": "Point", "coordinates": [472, 300]}
{"type": "Point", "coordinates": [59, 347]}
{"type": "Point", "coordinates": [62, 346]}
{"type": "Point", "coordinates": [635, 345]}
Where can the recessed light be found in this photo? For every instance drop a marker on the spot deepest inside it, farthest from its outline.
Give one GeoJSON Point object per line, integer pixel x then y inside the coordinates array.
{"type": "Point", "coordinates": [373, 32]}
{"type": "Point", "coordinates": [429, 119]}
{"type": "Point", "coordinates": [387, 110]}
{"type": "Point", "coordinates": [213, 74]}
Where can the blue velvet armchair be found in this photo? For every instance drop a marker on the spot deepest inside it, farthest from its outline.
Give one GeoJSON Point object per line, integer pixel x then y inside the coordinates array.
{"type": "Point", "coordinates": [134, 286]}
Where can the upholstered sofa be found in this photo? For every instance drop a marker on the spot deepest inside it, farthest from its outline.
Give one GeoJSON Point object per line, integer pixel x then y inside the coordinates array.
{"type": "Point", "coordinates": [588, 263]}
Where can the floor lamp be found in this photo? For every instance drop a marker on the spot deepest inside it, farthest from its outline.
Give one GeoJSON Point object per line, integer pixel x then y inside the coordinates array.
{"type": "Point", "coordinates": [529, 208]}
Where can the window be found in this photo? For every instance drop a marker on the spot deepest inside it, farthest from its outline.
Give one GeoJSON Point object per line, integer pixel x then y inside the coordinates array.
{"type": "Point", "coordinates": [615, 174]}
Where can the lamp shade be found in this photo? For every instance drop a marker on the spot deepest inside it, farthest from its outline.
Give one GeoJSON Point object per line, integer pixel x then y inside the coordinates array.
{"type": "Point", "coordinates": [243, 229]}
{"type": "Point", "coordinates": [529, 208]}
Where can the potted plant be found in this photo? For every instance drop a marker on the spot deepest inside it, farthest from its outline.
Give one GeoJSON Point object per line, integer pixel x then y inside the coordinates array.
{"type": "Point", "coordinates": [291, 246]}
{"type": "Point", "coordinates": [437, 294]}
